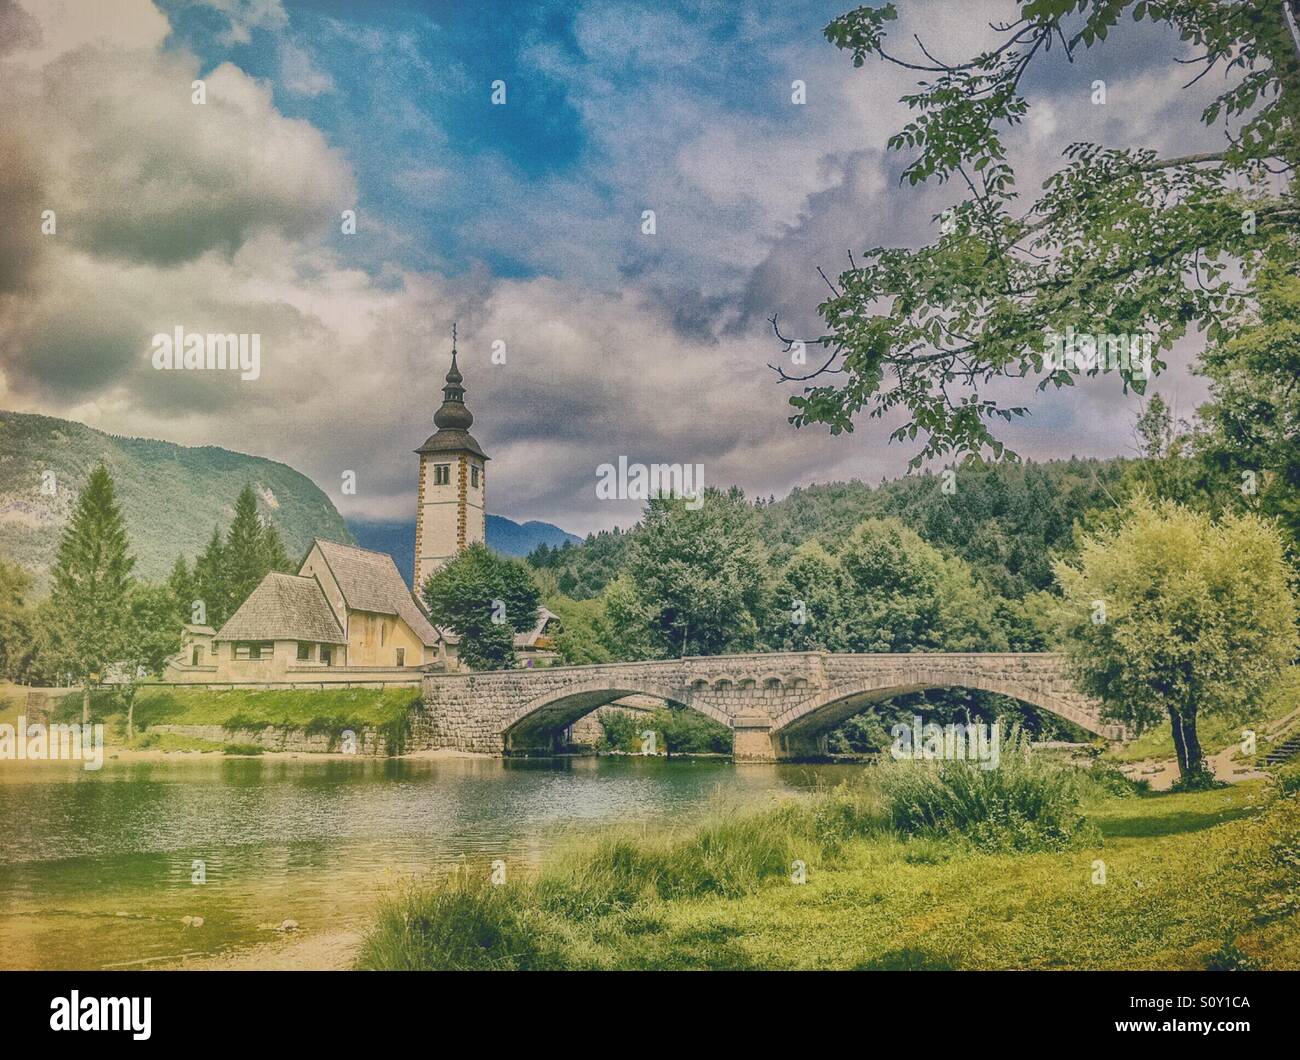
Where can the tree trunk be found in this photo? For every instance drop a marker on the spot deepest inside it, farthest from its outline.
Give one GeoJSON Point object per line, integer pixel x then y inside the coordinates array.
{"type": "Point", "coordinates": [85, 704]}
{"type": "Point", "coordinates": [1187, 745]}
{"type": "Point", "coordinates": [1195, 757]}
{"type": "Point", "coordinates": [130, 717]}
{"type": "Point", "coordinates": [1180, 748]}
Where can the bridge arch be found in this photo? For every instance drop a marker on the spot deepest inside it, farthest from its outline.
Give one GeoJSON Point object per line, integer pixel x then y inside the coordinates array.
{"type": "Point", "coordinates": [536, 724]}
{"type": "Point", "coordinates": [822, 712]}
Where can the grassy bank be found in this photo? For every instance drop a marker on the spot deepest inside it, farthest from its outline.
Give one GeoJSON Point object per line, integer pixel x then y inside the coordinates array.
{"type": "Point", "coordinates": [1219, 731]}
{"type": "Point", "coordinates": [330, 711]}
{"type": "Point", "coordinates": [1191, 881]}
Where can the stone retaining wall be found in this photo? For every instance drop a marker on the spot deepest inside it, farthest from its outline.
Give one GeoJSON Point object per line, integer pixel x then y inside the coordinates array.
{"type": "Point", "coordinates": [273, 738]}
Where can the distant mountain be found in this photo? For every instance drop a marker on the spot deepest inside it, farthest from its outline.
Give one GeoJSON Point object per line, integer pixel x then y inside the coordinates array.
{"type": "Point", "coordinates": [171, 496]}
{"type": "Point", "coordinates": [397, 538]}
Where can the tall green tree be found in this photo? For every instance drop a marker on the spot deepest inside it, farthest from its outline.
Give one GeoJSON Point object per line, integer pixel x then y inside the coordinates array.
{"type": "Point", "coordinates": [274, 556]}
{"type": "Point", "coordinates": [699, 574]}
{"type": "Point", "coordinates": [210, 586]}
{"type": "Point", "coordinates": [1175, 614]}
{"type": "Point", "coordinates": [486, 599]}
{"type": "Point", "coordinates": [15, 620]}
{"type": "Point", "coordinates": [245, 555]}
{"type": "Point", "coordinates": [181, 585]}
{"type": "Point", "coordinates": [150, 637]}
{"type": "Point", "coordinates": [1254, 415]}
{"type": "Point", "coordinates": [91, 582]}
{"type": "Point", "coordinates": [806, 612]}
{"type": "Point", "coordinates": [1121, 240]}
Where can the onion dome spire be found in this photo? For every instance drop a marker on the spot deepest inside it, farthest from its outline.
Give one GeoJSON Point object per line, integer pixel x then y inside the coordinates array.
{"type": "Point", "coordinates": [453, 415]}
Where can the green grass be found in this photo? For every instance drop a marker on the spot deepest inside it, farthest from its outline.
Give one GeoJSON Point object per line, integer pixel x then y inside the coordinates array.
{"type": "Point", "coordinates": [1217, 732]}
{"type": "Point", "coordinates": [170, 741]}
{"type": "Point", "coordinates": [243, 749]}
{"type": "Point", "coordinates": [329, 711]}
{"type": "Point", "coordinates": [1196, 880]}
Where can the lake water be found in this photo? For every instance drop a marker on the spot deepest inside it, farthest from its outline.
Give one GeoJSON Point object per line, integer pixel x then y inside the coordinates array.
{"type": "Point", "coordinates": [96, 867]}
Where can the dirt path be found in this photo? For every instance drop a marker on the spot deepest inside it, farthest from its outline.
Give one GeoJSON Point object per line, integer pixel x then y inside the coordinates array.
{"type": "Point", "coordinates": [1163, 772]}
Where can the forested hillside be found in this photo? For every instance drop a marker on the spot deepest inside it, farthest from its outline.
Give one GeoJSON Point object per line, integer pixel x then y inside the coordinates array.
{"type": "Point", "coordinates": [172, 497]}
{"type": "Point", "coordinates": [1005, 520]}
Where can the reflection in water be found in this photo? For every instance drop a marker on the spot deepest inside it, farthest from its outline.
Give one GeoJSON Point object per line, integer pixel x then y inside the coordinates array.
{"type": "Point", "coordinates": [96, 868]}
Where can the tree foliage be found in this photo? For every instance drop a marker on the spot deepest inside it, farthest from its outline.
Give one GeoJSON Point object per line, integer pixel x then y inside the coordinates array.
{"type": "Point", "coordinates": [88, 611]}
{"type": "Point", "coordinates": [698, 574]}
{"type": "Point", "coordinates": [1121, 241]}
{"type": "Point", "coordinates": [486, 599]}
{"type": "Point", "coordinates": [1175, 614]}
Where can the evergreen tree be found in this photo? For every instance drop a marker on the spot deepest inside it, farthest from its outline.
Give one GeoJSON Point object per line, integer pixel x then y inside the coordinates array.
{"type": "Point", "coordinates": [274, 557]}
{"type": "Point", "coordinates": [91, 580]}
{"type": "Point", "coordinates": [181, 585]}
{"type": "Point", "coordinates": [210, 581]}
{"type": "Point", "coordinates": [244, 558]}
{"type": "Point", "coordinates": [15, 620]}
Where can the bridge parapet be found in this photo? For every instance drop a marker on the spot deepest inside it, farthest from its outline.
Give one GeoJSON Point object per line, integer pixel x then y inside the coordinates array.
{"type": "Point", "coordinates": [788, 699]}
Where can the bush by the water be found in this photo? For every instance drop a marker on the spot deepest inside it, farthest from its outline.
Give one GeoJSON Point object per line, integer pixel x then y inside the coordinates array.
{"type": "Point", "coordinates": [1027, 802]}
{"type": "Point", "coordinates": [677, 731]}
{"type": "Point", "coordinates": [463, 924]}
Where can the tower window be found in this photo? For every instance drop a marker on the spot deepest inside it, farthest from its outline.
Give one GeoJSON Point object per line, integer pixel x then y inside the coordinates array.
{"type": "Point", "coordinates": [473, 476]}
{"type": "Point", "coordinates": [441, 474]}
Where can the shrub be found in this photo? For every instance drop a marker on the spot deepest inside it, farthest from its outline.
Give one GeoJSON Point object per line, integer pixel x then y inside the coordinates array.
{"type": "Point", "coordinates": [622, 732]}
{"type": "Point", "coordinates": [1288, 780]}
{"type": "Point", "coordinates": [1109, 779]}
{"type": "Point", "coordinates": [1230, 958]}
{"type": "Point", "coordinates": [459, 924]}
{"type": "Point", "coordinates": [1026, 803]}
{"type": "Point", "coordinates": [242, 749]}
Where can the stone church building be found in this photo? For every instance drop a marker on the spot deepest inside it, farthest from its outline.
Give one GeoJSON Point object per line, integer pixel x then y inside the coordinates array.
{"type": "Point", "coordinates": [347, 615]}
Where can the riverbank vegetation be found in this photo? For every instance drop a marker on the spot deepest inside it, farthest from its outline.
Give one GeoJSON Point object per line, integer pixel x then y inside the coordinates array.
{"type": "Point", "coordinates": [851, 877]}
{"type": "Point", "coordinates": [677, 731]}
{"type": "Point", "coordinates": [331, 711]}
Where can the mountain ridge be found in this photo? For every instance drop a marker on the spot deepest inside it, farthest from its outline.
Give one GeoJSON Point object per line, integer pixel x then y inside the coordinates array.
{"type": "Point", "coordinates": [397, 537]}
{"type": "Point", "coordinates": [197, 485]}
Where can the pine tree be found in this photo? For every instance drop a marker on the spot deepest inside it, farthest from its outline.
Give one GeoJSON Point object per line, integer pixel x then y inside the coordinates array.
{"type": "Point", "coordinates": [244, 558]}
{"type": "Point", "coordinates": [92, 578]}
{"type": "Point", "coordinates": [181, 585]}
{"type": "Point", "coordinates": [210, 581]}
{"type": "Point", "coordinates": [274, 557]}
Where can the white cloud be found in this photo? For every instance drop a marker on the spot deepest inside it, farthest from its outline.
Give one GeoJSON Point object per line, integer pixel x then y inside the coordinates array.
{"type": "Point", "coordinates": [300, 75]}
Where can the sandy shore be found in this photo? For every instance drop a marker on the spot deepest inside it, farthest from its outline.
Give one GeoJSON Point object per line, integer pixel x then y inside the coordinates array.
{"type": "Point", "coordinates": [152, 754]}
{"type": "Point", "coordinates": [321, 952]}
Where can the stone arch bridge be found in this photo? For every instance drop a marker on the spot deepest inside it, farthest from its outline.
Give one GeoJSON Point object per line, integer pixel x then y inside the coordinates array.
{"type": "Point", "coordinates": [779, 705]}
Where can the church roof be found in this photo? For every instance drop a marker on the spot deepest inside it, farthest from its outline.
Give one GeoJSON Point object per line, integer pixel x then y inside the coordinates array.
{"type": "Point", "coordinates": [453, 419]}
{"type": "Point", "coordinates": [370, 581]}
{"type": "Point", "coordinates": [451, 441]}
{"type": "Point", "coordinates": [284, 607]}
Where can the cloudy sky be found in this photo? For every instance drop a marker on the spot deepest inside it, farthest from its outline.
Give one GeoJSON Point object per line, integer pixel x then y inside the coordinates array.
{"type": "Point", "coordinates": [522, 222]}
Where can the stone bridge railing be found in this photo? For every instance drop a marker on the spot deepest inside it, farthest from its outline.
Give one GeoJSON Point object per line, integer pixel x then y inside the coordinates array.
{"type": "Point", "coordinates": [780, 704]}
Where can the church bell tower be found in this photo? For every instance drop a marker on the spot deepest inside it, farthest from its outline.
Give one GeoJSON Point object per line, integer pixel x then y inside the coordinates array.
{"type": "Point", "coordinates": [451, 512]}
